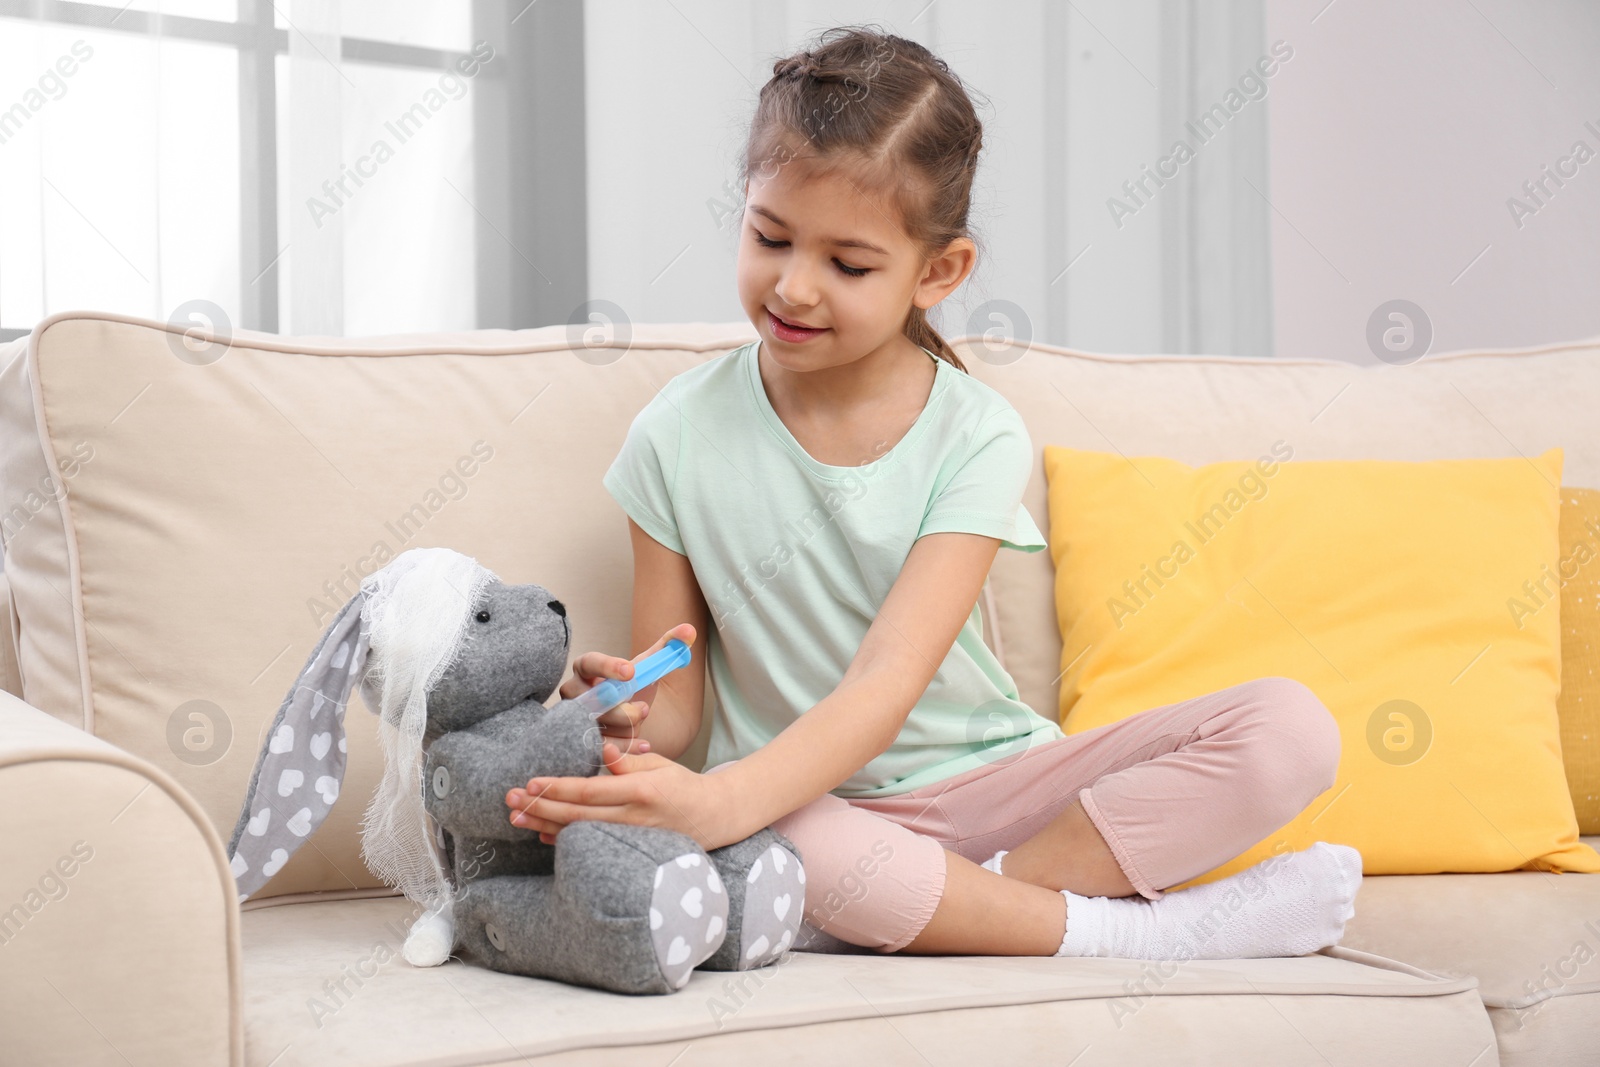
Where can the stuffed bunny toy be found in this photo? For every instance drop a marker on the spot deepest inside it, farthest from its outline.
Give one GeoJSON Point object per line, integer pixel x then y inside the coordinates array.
{"type": "Point", "coordinates": [457, 665]}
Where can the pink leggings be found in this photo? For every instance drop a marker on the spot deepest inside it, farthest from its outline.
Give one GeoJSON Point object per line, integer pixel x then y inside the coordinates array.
{"type": "Point", "coordinates": [1175, 791]}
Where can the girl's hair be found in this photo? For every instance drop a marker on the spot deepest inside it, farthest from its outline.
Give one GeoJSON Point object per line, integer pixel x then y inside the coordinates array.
{"type": "Point", "coordinates": [888, 113]}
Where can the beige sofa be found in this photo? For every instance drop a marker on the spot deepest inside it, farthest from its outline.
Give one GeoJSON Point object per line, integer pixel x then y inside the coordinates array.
{"type": "Point", "coordinates": [179, 520]}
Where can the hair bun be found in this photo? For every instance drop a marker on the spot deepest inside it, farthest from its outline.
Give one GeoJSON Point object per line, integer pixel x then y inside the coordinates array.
{"type": "Point", "coordinates": [802, 63]}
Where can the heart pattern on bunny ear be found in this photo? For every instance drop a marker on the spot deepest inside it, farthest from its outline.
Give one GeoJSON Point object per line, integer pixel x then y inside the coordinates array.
{"type": "Point", "coordinates": [302, 761]}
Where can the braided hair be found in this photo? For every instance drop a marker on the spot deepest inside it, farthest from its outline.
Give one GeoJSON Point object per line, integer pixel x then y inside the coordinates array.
{"type": "Point", "coordinates": [896, 116]}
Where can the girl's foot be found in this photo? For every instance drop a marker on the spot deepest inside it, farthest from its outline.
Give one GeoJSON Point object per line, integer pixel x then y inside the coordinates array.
{"type": "Point", "coordinates": [1283, 906]}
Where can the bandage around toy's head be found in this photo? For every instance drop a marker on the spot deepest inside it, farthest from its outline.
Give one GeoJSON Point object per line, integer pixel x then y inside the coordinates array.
{"type": "Point", "coordinates": [417, 614]}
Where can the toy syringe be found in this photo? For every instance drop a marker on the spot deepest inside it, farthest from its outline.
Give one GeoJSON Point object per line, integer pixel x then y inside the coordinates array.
{"type": "Point", "coordinates": [613, 691]}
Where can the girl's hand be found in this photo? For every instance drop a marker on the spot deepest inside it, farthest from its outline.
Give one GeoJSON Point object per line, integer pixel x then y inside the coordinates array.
{"type": "Point", "coordinates": [647, 790]}
{"type": "Point", "coordinates": [621, 723]}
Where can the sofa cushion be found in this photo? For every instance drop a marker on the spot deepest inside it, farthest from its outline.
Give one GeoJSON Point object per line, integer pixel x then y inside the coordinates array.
{"type": "Point", "coordinates": [324, 984]}
{"type": "Point", "coordinates": [1578, 576]}
{"type": "Point", "coordinates": [1381, 585]}
{"type": "Point", "coordinates": [1204, 409]}
{"type": "Point", "coordinates": [180, 531]}
{"type": "Point", "coordinates": [1532, 940]}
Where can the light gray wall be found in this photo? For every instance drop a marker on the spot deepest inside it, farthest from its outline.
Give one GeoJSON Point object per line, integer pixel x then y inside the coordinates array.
{"type": "Point", "coordinates": [1399, 133]}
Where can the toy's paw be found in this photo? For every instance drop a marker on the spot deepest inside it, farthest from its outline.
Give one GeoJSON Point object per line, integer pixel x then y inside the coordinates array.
{"type": "Point", "coordinates": [431, 938]}
{"type": "Point", "coordinates": [774, 897]}
{"type": "Point", "coordinates": [688, 915]}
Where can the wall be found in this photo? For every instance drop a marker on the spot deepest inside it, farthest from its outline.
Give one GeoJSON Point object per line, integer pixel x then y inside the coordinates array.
{"type": "Point", "coordinates": [1398, 135]}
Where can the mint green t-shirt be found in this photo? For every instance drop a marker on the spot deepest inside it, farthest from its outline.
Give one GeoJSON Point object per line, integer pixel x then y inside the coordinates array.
{"type": "Point", "coordinates": [795, 556]}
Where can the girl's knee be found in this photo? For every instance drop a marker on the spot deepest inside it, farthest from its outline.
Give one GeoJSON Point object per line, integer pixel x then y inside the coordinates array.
{"type": "Point", "coordinates": [841, 855]}
{"type": "Point", "coordinates": [869, 881]}
{"type": "Point", "coordinates": [839, 900]}
{"type": "Point", "coordinates": [1304, 734]}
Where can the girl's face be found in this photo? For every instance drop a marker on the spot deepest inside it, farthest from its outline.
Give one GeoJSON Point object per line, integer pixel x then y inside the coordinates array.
{"type": "Point", "coordinates": [818, 251]}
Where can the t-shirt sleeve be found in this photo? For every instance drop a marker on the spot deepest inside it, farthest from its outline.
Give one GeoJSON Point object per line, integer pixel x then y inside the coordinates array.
{"type": "Point", "coordinates": [984, 493]}
{"type": "Point", "coordinates": [641, 477]}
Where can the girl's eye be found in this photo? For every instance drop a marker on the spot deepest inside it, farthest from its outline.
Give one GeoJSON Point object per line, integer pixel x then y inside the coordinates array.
{"type": "Point", "coordinates": [853, 272]}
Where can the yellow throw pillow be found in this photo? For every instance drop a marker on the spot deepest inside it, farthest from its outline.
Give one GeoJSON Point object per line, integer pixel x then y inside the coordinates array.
{"type": "Point", "coordinates": [1394, 590]}
{"type": "Point", "coordinates": [1578, 572]}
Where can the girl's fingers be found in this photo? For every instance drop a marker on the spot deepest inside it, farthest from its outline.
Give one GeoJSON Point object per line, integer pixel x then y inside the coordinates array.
{"type": "Point", "coordinates": [568, 790]}
{"type": "Point", "coordinates": [557, 813]}
{"type": "Point", "coordinates": [536, 825]}
{"type": "Point", "coordinates": [632, 744]}
{"type": "Point", "coordinates": [624, 718]}
{"type": "Point", "coordinates": [684, 632]}
{"type": "Point", "coordinates": [596, 665]}
{"type": "Point", "coordinates": [520, 815]}
{"type": "Point", "coordinates": [591, 667]}
{"type": "Point", "coordinates": [570, 799]}
{"type": "Point", "coordinates": [610, 738]}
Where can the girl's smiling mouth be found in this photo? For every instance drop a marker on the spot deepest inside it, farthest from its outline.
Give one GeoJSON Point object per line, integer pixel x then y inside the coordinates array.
{"type": "Point", "coordinates": [786, 332]}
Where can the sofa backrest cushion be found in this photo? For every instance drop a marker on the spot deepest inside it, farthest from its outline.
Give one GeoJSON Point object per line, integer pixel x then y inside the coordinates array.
{"type": "Point", "coordinates": [181, 532]}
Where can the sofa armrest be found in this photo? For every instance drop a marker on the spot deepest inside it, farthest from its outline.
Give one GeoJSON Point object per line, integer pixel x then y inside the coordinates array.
{"type": "Point", "coordinates": [10, 668]}
{"type": "Point", "coordinates": [119, 922]}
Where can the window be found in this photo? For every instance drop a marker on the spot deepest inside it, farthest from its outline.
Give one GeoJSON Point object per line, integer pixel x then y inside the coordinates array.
{"type": "Point", "coordinates": [338, 166]}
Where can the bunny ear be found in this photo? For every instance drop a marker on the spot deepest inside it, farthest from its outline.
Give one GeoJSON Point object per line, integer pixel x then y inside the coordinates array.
{"type": "Point", "coordinates": [301, 766]}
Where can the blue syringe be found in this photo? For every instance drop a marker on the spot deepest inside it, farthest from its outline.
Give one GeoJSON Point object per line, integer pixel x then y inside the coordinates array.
{"type": "Point", "coordinates": [613, 691]}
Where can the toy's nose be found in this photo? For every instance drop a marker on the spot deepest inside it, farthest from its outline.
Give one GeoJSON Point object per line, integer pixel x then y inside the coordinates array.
{"type": "Point", "coordinates": [559, 608]}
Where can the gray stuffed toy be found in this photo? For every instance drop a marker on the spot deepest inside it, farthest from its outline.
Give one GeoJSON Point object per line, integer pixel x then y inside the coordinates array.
{"type": "Point", "coordinates": [457, 665]}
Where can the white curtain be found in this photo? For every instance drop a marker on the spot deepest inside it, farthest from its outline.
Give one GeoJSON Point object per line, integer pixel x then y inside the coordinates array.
{"type": "Point", "coordinates": [314, 263]}
{"type": "Point", "coordinates": [118, 171]}
{"type": "Point", "coordinates": [126, 180]}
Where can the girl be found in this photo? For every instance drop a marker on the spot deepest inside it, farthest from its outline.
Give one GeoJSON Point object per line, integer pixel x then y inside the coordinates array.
{"type": "Point", "coordinates": [822, 506]}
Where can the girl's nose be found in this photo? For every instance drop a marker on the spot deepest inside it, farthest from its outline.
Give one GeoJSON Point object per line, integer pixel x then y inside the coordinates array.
{"type": "Point", "coordinates": [795, 287]}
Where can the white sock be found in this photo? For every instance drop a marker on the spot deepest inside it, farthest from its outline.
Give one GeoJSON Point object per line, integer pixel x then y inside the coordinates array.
{"type": "Point", "coordinates": [993, 862]}
{"type": "Point", "coordinates": [1285, 905]}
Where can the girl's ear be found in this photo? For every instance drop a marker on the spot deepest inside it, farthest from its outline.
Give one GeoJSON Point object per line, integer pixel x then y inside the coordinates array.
{"type": "Point", "coordinates": [302, 761]}
{"type": "Point", "coordinates": [945, 272]}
